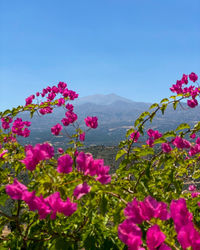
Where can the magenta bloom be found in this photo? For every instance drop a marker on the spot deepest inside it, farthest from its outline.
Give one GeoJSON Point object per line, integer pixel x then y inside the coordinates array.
{"type": "Point", "coordinates": [130, 234]}
{"type": "Point", "coordinates": [192, 188]}
{"type": "Point", "coordinates": [67, 207]}
{"type": "Point", "coordinates": [70, 107]}
{"type": "Point", "coordinates": [19, 129]}
{"type": "Point", "coordinates": [193, 77]}
{"type": "Point", "coordinates": [6, 122]}
{"type": "Point", "coordinates": [87, 165]}
{"type": "Point", "coordinates": [179, 213]}
{"type": "Point", "coordinates": [135, 136]}
{"type": "Point", "coordinates": [60, 151]}
{"type": "Point", "coordinates": [192, 103]}
{"type": "Point", "coordinates": [193, 136]}
{"type": "Point", "coordinates": [188, 236]}
{"type": "Point", "coordinates": [16, 190]}
{"type": "Point", "coordinates": [65, 163]}
{"type": "Point", "coordinates": [154, 237]}
{"type": "Point", "coordinates": [29, 99]}
{"type": "Point", "coordinates": [91, 122]}
{"type": "Point", "coordinates": [133, 211]}
{"type": "Point", "coordinates": [36, 154]}
{"type": "Point", "coordinates": [166, 148]}
{"type": "Point", "coordinates": [56, 129]}
{"type": "Point", "coordinates": [181, 143]}
{"type": "Point", "coordinates": [3, 153]}
{"type": "Point", "coordinates": [82, 136]}
{"type": "Point", "coordinates": [81, 190]}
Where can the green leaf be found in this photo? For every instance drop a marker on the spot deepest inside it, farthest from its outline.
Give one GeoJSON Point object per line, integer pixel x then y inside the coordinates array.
{"type": "Point", "coordinates": [164, 100]}
{"type": "Point", "coordinates": [196, 174]}
{"type": "Point", "coordinates": [120, 153]}
{"type": "Point", "coordinates": [3, 199]}
{"type": "Point", "coordinates": [154, 105]}
{"type": "Point", "coordinates": [175, 103]}
{"type": "Point", "coordinates": [159, 140]}
{"type": "Point", "coordinates": [183, 126]}
{"type": "Point", "coordinates": [130, 131]}
{"type": "Point", "coordinates": [169, 134]}
{"type": "Point", "coordinates": [138, 121]}
{"type": "Point", "coordinates": [197, 126]}
{"type": "Point", "coordinates": [152, 116]}
{"type": "Point", "coordinates": [163, 108]}
{"type": "Point", "coordinates": [144, 151]}
{"type": "Point", "coordinates": [103, 205]}
{"type": "Point", "coordinates": [144, 114]}
{"type": "Point", "coordinates": [173, 97]}
{"type": "Point", "coordinates": [6, 112]}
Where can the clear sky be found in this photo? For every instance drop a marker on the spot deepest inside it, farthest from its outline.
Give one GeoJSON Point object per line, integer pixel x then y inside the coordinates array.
{"type": "Point", "coordinates": [134, 48]}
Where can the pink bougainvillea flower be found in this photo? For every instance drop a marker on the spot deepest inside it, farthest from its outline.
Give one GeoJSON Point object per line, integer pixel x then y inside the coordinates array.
{"type": "Point", "coordinates": [70, 107]}
{"type": "Point", "coordinates": [195, 194]}
{"type": "Point", "coordinates": [60, 151]}
{"type": "Point", "coordinates": [6, 122]}
{"type": "Point", "coordinates": [135, 136]}
{"type": "Point", "coordinates": [81, 190]}
{"type": "Point", "coordinates": [192, 103]}
{"type": "Point", "coordinates": [29, 99]}
{"type": "Point", "coordinates": [61, 101]}
{"type": "Point", "coordinates": [184, 79]}
{"type": "Point", "coordinates": [133, 211]}
{"type": "Point", "coordinates": [166, 148]}
{"type": "Point", "coordinates": [91, 122]}
{"type": "Point", "coordinates": [130, 234]}
{"type": "Point", "coordinates": [82, 136]}
{"type": "Point", "coordinates": [3, 153]}
{"type": "Point", "coordinates": [87, 165]}
{"type": "Point", "coordinates": [67, 207]}
{"type": "Point", "coordinates": [56, 129]}
{"type": "Point", "coordinates": [179, 213]}
{"type": "Point", "coordinates": [193, 136]}
{"type": "Point", "coordinates": [36, 154]}
{"type": "Point", "coordinates": [150, 142]}
{"type": "Point", "coordinates": [192, 187]}
{"type": "Point", "coordinates": [188, 236]}
{"type": "Point", "coordinates": [181, 143]}
{"type": "Point", "coordinates": [65, 163]}
{"type": "Point", "coordinates": [193, 77]}
{"type": "Point", "coordinates": [19, 129]}
{"type": "Point", "coordinates": [152, 208]}
{"type": "Point", "coordinates": [155, 237]}
{"type": "Point", "coordinates": [16, 190]}
{"type": "Point", "coordinates": [62, 85]}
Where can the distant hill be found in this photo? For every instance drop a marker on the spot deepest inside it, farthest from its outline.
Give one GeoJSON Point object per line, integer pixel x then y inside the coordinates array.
{"type": "Point", "coordinates": [115, 115]}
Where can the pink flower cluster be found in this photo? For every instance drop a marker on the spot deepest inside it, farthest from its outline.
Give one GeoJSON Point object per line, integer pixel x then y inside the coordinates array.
{"type": "Point", "coordinates": [191, 90]}
{"type": "Point", "coordinates": [136, 212]}
{"type": "Point", "coordinates": [89, 166]}
{"type": "Point", "coordinates": [56, 129]}
{"type": "Point", "coordinates": [29, 100]}
{"type": "Point", "coordinates": [81, 190]}
{"type": "Point", "coordinates": [187, 235]}
{"type": "Point", "coordinates": [153, 135]}
{"type": "Point", "coordinates": [91, 122]}
{"type": "Point", "coordinates": [135, 136]}
{"type": "Point", "coordinates": [71, 117]}
{"type": "Point", "coordinates": [3, 153]}
{"type": "Point", "coordinates": [36, 154]}
{"type": "Point", "coordinates": [6, 122]}
{"type": "Point", "coordinates": [19, 127]}
{"type": "Point", "coordinates": [50, 205]}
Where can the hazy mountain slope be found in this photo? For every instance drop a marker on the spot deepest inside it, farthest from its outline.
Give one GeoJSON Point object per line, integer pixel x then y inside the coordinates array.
{"type": "Point", "coordinates": [115, 115]}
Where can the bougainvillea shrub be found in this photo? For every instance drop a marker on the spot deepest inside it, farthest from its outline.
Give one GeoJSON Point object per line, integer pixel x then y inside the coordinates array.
{"type": "Point", "coordinates": [69, 200]}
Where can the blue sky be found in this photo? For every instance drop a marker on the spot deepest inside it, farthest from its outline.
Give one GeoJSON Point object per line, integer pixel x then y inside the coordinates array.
{"type": "Point", "coordinates": [134, 48]}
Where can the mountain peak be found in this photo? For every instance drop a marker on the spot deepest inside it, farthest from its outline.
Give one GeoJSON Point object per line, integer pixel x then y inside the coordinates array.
{"type": "Point", "coordinates": [101, 99]}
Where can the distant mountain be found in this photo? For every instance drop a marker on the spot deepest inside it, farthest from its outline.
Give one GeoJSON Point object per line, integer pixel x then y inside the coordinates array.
{"type": "Point", "coordinates": [102, 99]}
{"type": "Point", "coordinates": [115, 115]}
